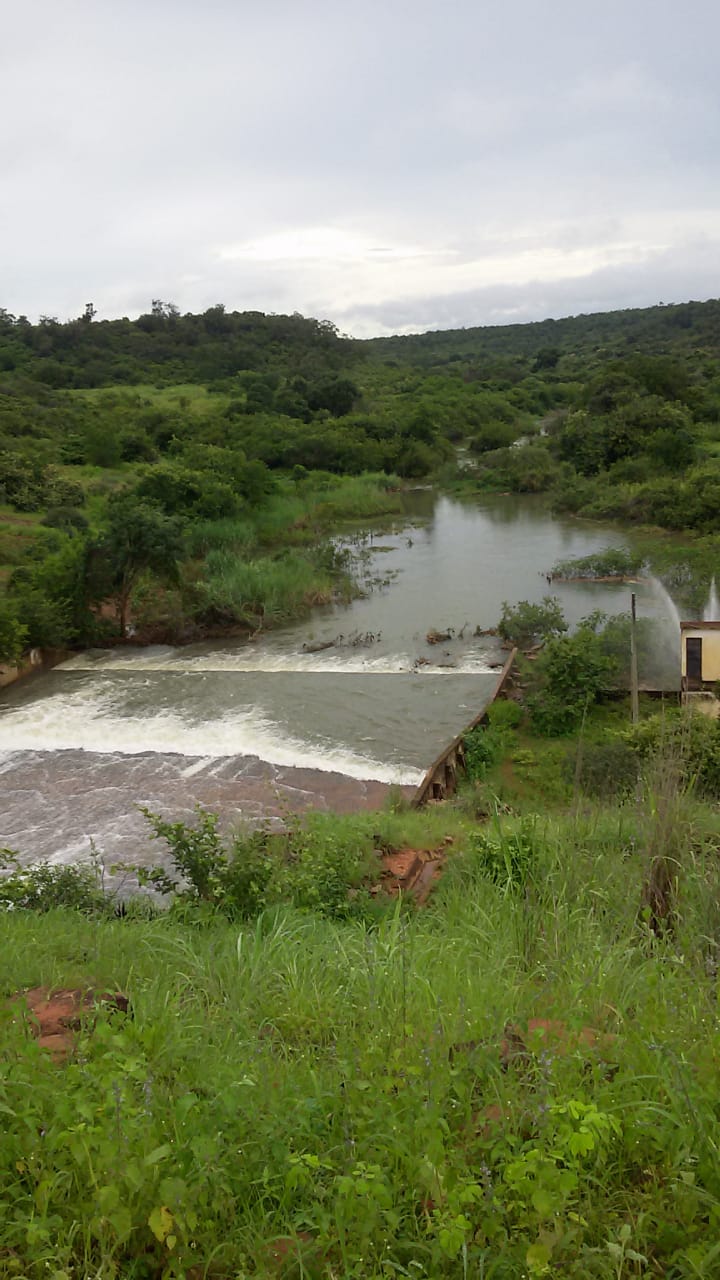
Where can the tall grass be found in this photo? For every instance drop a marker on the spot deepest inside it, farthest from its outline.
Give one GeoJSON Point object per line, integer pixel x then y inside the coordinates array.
{"type": "Point", "coordinates": [224, 533]}
{"type": "Point", "coordinates": [264, 591]}
{"type": "Point", "coordinates": [294, 1078]}
{"type": "Point", "coordinates": [239, 579]}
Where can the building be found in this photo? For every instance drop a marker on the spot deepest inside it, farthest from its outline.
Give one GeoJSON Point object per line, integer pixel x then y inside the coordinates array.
{"type": "Point", "coordinates": [700, 655]}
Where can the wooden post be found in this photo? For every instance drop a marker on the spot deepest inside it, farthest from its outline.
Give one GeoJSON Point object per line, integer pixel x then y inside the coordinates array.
{"type": "Point", "coordinates": [634, 694]}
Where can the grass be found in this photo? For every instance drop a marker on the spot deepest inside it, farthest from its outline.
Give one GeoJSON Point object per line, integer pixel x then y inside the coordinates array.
{"type": "Point", "coordinates": [264, 591]}
{"type": "Point", "coordinates": [189, 397]}
{"type": "Point", "coordinates": [531, 772]}
{"type": "Point", "coordinates": [243, 578]}
{"type": "Point", "coordinates": [286, 1099]}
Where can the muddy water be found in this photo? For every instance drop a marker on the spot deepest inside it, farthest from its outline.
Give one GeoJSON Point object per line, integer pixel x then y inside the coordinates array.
{"type": "Point", "coordinates": [278, 724]}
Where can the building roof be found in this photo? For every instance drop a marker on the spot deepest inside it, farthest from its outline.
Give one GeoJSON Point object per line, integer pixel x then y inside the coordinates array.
{"type": "Point", "coordinates": [700, 626]}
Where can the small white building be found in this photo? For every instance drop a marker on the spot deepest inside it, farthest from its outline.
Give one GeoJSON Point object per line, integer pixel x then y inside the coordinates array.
{"type": "Point", "coordinates": [700, 655]}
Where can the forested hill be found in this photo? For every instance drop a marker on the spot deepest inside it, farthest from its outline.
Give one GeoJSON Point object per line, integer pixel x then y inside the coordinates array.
{"type": "Point", "coordinates": [166, 347]}
{"type": "Point", "coordinates": [678, 328]}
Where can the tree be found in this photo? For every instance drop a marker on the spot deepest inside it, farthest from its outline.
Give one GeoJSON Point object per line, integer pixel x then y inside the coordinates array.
{"type": "Point", "coordinates": [138, 537]}
{"type": "Point", "coordinates": [13, 635]}
{"type": "Point", "coordinates": [547, 358]}
{"type": "Point", "coordinates": [337, 395]}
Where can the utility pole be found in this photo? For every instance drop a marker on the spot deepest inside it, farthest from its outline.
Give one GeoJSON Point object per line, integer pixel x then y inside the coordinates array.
{"type": "Point", "coordinates": [634, 694]}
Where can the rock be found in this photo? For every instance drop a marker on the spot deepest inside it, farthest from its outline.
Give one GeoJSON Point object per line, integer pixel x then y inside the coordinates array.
{"type": "Point", "coordinates": [56, 1017]}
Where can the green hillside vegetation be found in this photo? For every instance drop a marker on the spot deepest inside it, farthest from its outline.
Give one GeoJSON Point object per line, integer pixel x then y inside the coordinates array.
{"type": "Point", "coordinates": [214, 441]}
{"type": "Point", "coordinates": [518, 1079]}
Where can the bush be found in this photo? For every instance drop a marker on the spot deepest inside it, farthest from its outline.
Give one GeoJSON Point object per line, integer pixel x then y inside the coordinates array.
{"type": "Point", "coordinates": [43, 887]}
{"type": "Point", "coordinates": [232, 879]}
{"type": "Point", "coordinates": [615, 562]}
{"type": "Point", "coordinates": [67, 519]}
{"type": "Point", "coordinates": [504, 714]}
{"type": "Point", "coordinates": [686, 736]}
{"type": "Point", "coordinates": [239, 876]}
{"type": "Point", "coordinates": [482, 751]}
{"type": "Point", "coordinates": [569, 676]}
{"type": "Point", "coordinates": [487, 744]}
{"type": "Point", "coordinates": [63, 492]}
{"type": "Point", "coordinates": [525, 624]}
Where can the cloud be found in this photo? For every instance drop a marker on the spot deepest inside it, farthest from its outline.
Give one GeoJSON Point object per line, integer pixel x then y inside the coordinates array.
{"type": "Point", "coordinates": [415, 160]}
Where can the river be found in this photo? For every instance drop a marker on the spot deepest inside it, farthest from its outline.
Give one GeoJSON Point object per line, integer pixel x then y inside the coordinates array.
{"type": "Point", "coordinates": [267, 727]}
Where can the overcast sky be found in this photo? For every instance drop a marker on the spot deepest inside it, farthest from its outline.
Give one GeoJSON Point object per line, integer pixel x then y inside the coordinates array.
{"type": "Point", "coordinates": [391, 165]}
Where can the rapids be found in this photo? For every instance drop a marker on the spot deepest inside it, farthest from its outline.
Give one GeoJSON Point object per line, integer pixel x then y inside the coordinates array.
{"type": "Point", "coordinates": [265, 727]}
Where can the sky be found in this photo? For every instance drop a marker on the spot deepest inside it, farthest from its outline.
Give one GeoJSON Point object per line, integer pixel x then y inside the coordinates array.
{"type": "Point", "coordinates": [390, 166]}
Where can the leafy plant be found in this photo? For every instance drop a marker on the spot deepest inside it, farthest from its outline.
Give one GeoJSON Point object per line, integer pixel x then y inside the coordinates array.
{"type": "Point", "coordinates": [568, 677]}
{"type": "Point", "coordinates": [44, 887]}
{"type": "Point", "coordinates": [509, 858]}
{"type": "Point", "coordinates": [231, 878]}
{"type": "Point", "coordinates": [525, 624]}
{"type": "Point", "coordinates": [239, 875]}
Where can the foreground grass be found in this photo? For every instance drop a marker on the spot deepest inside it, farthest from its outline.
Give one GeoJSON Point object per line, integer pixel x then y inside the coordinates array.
{"type": "Point", "coordinates": [285, 1100]}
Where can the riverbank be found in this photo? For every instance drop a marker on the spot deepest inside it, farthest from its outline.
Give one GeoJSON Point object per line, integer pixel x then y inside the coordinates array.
{"type": "Point", "coordinates": [165, 573]}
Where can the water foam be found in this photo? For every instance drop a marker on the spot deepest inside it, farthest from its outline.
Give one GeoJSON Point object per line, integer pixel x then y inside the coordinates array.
{"type": "Point", "coordinates": [89, 720]}
{"type": "Point", "coordinates": [268, 662]}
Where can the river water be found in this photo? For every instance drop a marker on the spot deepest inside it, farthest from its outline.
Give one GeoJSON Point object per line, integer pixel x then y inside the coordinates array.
{"type": "Point", "coordinates": [276, 725]}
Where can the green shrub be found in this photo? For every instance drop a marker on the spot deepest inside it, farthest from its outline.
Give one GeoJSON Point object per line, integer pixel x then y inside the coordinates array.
{"type": "Point", "coordinates": [240, 875]}
{"type": "Point", "coordinates": [568, 677]}
{"type": "Point", "coordinates": [44, 887]}
{"type": "Point", "coordinates": [231, 878]}
{"type": "Point", "coordinates": [67, 519]}
{"type": "Point", "coordinates": [63, 492]}
{"type": "Point", "coordinates": [614, 562]}
{"type": "Point", "coordinates": [489, 742]}
{"type": "Point", "coordinates": [504, 713]}
{"type": "Point", "coordinates": [686, 736]}
{"type": "Point", "coordinates": [482, 750]}
{"type": "Point", "coordinates": [525, 624]}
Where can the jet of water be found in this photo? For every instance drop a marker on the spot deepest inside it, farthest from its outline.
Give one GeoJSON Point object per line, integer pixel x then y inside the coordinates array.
{"type": "Point", "coordinates": [670, 606]}
{"type": "Point", "coordinates": [712, 608]}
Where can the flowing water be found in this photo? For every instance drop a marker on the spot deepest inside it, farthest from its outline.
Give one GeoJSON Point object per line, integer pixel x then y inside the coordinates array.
{"type": "Point", "coordinates": [252, 728]}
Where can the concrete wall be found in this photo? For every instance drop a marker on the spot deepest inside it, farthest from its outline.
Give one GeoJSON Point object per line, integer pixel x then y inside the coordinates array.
{"type": "Point", "coordinates": [29, 662]}
{"type": "Point", "coordinates": [441, 778]}
{"type": "Point", "coordinates": [710, 637]}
